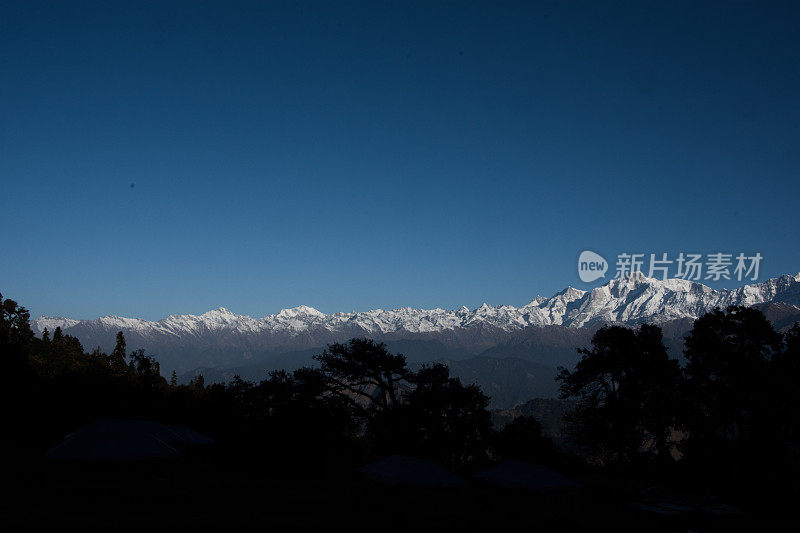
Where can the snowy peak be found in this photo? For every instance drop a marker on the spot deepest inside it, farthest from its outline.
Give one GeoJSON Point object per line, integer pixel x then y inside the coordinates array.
{"type": "Point", "coordinates": [536, 302]}
{"type": "Point", "coordinates": [300, 311]}
{"type": "Point", "coordinates": [51, 323]}
{"type": "Point", "coordinates": [631, 300]}
{"type": "Point", "coordinates": [570, 294]}
{"type": "Point", "coordinates": [221, 311]}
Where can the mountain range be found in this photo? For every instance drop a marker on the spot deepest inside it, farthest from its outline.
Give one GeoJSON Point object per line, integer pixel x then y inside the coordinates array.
{"type": "Point", "coordinates": [546, 331]}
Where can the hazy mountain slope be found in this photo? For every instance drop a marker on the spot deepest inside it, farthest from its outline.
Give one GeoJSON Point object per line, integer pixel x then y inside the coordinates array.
{"type": "Point", "coordinates": [782, 315]}
{"type": "Point", "coordinates": [549, 412]}
{"type": "Point", "coordinates": [550, 346]}
{"type": "Point", "coordinates": [509, 381]}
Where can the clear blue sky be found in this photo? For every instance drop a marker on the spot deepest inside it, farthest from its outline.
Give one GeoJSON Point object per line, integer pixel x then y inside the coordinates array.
{"type": "Point", "coordinates": [353, 156]}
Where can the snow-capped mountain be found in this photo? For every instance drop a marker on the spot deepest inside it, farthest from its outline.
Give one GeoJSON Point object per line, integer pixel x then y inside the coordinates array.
{"type": "Point", "coordinates": [630, 300]}
{"type": "Point", "coordinates": [633, 299]}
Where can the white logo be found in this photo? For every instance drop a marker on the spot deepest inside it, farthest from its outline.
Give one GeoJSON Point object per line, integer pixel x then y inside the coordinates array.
{"type": "Point", "coordinates": [591, 266]}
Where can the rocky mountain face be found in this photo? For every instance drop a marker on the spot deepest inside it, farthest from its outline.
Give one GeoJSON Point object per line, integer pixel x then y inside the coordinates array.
{"type": "Point", "coordinates": [546, 331]}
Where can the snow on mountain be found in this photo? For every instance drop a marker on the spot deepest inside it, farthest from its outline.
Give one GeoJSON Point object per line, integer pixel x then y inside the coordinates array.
{"type": "Point", "coordinates": [630, 300]}
{"type": "Point", "coordinates": [51, 323]}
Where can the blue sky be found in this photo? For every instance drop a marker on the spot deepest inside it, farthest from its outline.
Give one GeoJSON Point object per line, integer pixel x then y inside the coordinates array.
{"type": "Point", "coordinates": [351, 156]}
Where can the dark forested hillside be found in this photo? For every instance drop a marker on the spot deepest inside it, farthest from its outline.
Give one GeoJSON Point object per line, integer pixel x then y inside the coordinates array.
{"type": "Point", "coordinates": [718, 421]}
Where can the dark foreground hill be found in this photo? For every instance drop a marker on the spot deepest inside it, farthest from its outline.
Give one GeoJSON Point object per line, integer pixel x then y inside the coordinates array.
{"type": "Point", "coordinates": [210, 495]}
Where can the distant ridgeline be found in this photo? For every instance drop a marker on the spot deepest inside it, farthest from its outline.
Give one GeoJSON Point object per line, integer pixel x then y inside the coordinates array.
{"type": "Point", "coordinates": [533, 339]}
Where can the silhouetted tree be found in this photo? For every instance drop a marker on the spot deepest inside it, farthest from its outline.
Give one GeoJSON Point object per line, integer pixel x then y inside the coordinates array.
{"type": "Point", "coordinates": [198, 382]}
{"type": "Point", "coordinates": [439, 418]}
{"type": "Point", "coordinates": [627, 388]}
{"type": "Point", "coordinates": [117, 356]}
{"type": "Point", "coordinates": [289, 420]}
{"type": "Point", "coordinates": [522, 440]}
{"type": "Point", "coordinates": [16, 370]}
{"type": "Point", "coordinates": [786, 393]}
{"type": "Point", "coordinates": [365, 372]}
{"type": "Point", "coordinates": [302, 399]}
{"type": "Point", "coordinates": [730, 388]}
{"type": "Point", "coordinates": [15, 329]}
{"type": "Point", "coordinates": [145, 369]}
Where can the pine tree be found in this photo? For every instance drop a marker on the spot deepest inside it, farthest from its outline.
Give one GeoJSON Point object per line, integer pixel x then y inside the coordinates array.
{"type": "Point", "coordinates": [117, 357]}
{"type": "Point", "coordinates": [198, 382]}
{"type": "Point", "coordinates": [174, 379]}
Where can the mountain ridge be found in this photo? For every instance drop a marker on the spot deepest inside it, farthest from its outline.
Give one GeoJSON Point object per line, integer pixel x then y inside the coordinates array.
{"type": "Point", "coordinates": [546, 330]}
{"type": "Point", "coordinates": [633, 299]}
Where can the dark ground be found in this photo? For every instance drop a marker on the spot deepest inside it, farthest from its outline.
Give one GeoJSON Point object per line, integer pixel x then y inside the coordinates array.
{"type": "Point", "coordinates": [200, 494]}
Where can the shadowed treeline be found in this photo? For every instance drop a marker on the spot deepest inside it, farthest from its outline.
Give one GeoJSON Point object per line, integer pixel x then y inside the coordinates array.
{"type": "Point", "coordinates": [361, 401]}
{"type": "Point", "coordinates": [726, 421]}
{"type": "Point", "coordinates": [723, 422]}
